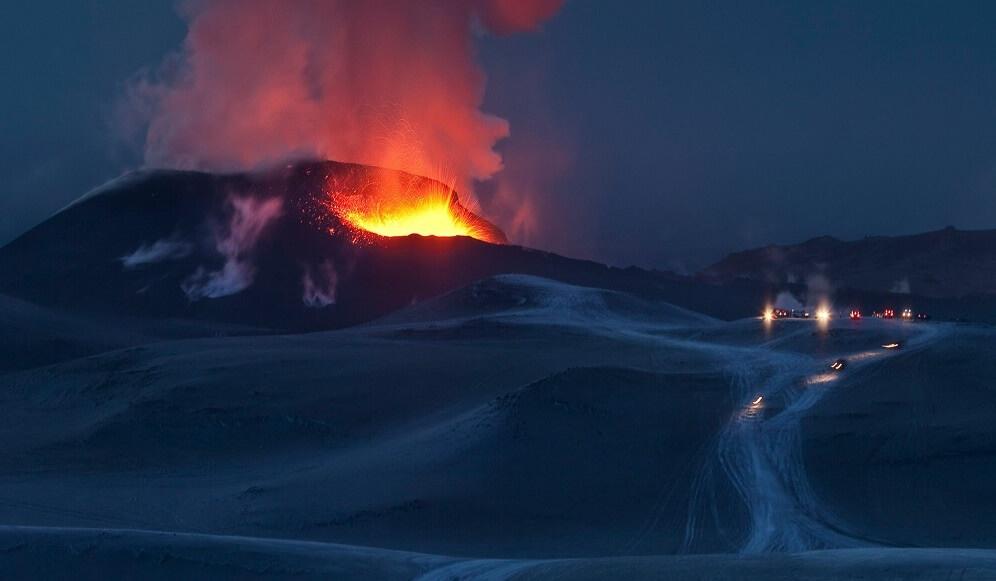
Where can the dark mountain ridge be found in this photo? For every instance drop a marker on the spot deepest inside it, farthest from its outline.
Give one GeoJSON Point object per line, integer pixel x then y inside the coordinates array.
{"type": "Point", "coordinates": [946, 263]}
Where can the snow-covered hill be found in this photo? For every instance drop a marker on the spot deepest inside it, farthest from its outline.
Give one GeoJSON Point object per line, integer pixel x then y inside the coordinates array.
{"type": "Point", "coordinates": [518, 419]}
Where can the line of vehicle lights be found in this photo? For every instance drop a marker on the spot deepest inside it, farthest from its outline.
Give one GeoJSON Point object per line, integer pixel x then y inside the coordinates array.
{"type": "Point", "coordinates": [825, 314]}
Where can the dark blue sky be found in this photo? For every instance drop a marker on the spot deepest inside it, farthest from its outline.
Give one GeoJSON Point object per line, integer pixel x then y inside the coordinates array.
{"type": "Point", "coordinates": [688, 129]}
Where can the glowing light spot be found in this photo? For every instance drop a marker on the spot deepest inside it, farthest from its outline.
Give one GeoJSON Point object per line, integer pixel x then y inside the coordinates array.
{"type": "Point", "coordinates": [754, 409]}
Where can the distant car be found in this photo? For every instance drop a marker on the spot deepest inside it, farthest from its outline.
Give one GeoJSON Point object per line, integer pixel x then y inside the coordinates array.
{"type": "Point", "coordinates": [800, 314]}
{"type": "Point", "coordinates": [907, 314]}
{"type": "Point", "coordinates": [838, 364]}
{"type": "Point", "coordinates": [922, 317]}
{"type": "Point", "coordinates": [782, 313]}
{"type": "Point", "coordinates": [855, 314]}
{"type": "Point", "coordinates": [888, 314]}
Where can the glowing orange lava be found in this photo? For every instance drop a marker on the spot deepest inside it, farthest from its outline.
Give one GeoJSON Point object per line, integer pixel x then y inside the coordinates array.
{"type": "Point", "coordinates": [427, 217]}
{"type": "Point", "coordinates": [411, 206]}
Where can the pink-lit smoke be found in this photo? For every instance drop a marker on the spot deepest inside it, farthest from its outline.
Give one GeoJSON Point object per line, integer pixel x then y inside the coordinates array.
{"type": "Point", "coordinates": [235, 242]}
{"type": "Point", "coordinates": [392, 83]}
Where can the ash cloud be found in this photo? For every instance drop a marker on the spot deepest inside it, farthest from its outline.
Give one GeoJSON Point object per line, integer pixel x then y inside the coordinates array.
{"type": "Point", "coordinates": [159, 251]}
{"type": "Point", "coordinates": [392, 83]}
{"type": "Point", "coordinates": [235, 242]}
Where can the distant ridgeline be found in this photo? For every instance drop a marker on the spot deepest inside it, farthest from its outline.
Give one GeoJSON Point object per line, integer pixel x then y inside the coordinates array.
{"type": "Point", "coordinates": [947, 263]}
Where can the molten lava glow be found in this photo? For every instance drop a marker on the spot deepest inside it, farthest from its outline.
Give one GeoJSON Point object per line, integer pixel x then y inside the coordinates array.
{"type": "Point", "coordinates": [427, 219]}
{"type": "Point", "coordinates": [404, 207]}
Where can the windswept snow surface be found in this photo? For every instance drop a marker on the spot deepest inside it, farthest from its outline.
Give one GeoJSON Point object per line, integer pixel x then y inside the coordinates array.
{"type": "Point", "coordinates": [515, 429]}
{"type": "Point", "coordinates": [524, 300]}
{"type": "Point", "coordinates": [98, 554]}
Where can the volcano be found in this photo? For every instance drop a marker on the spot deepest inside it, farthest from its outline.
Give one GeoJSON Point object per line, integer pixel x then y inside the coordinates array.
{"type": "Point", "coordinates": [311, 245]}
{"type": "Point", "coordinates": [303, 247]}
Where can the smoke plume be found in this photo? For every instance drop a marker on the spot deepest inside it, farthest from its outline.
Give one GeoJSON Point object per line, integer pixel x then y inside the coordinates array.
{"type": "Point", "coordinates": [249, 217]}
{"type": "Point", "coordinates": [392, 83]}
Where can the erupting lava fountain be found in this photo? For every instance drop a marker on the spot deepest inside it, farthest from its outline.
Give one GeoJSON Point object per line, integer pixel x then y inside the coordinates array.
{"type": "Point", "coordinates": [399, 204]}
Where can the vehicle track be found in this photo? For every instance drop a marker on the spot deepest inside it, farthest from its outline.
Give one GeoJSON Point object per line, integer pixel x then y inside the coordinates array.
{"type": "Point", "coordinates": [760, 450]}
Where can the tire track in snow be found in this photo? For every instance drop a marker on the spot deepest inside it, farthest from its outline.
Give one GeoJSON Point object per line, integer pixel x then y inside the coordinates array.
{"type": "Point", "coordinates": [762, 456]}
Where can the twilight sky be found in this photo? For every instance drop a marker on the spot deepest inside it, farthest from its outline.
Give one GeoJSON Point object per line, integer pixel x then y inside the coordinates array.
{"type": "Point", "coordinates": [655, 133]}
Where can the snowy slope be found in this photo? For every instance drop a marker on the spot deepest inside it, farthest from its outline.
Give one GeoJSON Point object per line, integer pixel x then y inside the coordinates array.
{"type": "Point", "coordinates": [562, 430]}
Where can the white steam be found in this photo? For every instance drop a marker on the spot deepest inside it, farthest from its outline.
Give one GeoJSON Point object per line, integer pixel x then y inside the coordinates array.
{"type": "Point", "coordinates": [786, 300]}
{"type": "Point", "coordinates": [159, 251]}
{"type": "Point", "coordinates": [319, 286]}
{"type": "Point", "coordinates": [250, 216]}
